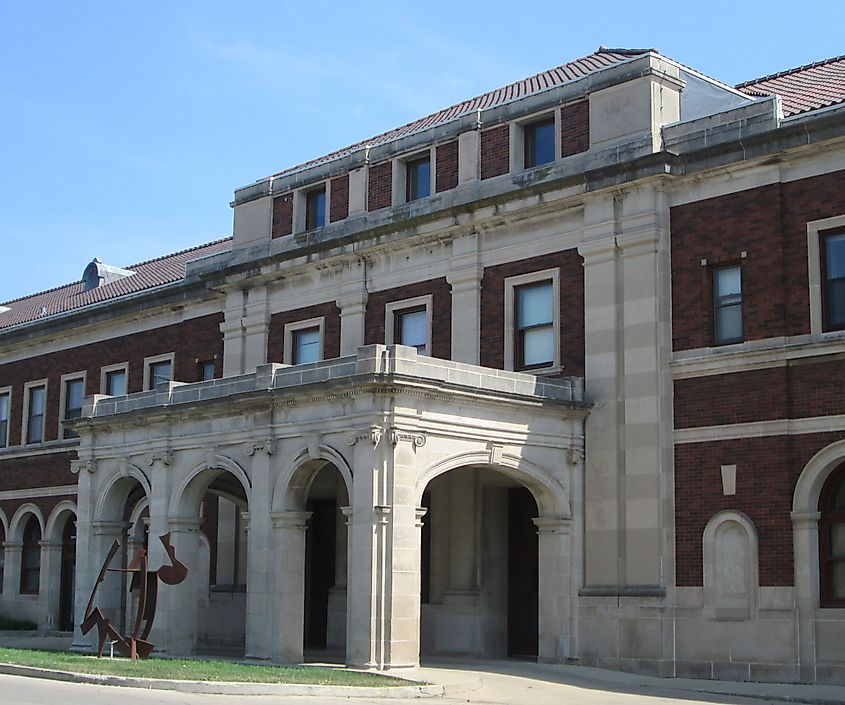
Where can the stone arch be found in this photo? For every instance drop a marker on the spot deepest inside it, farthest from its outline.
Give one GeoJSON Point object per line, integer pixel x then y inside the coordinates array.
{"type": "Point", "coordinates": [185, 499]}
{"type": "Point", "coordinates": [551, 497]}
{"type": "Point", "coordinates": [805, 499]}
{"type": "Point", "coordinates": [18, 522]}
{"type": "Point", "coordinates": [293, 482]}
{"type": "Point", "coordinates": [4, 522]}
{"type": "Point", "coordinates": [55, 523]}
{"type": "Point", "coordinates": [731, 566]}
{"type": "Point", "coordinates": [111, 500]}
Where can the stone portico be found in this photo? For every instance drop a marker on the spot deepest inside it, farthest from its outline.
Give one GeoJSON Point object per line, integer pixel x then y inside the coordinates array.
{"type": "Point", "coordinates": [384, 434]}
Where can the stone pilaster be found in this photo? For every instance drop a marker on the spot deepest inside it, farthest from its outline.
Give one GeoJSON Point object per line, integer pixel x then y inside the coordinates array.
{"type": "Point", "coordinates": [289, 608]}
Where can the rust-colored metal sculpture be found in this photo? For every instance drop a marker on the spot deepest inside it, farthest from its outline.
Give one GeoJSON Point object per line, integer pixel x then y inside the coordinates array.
{"type": "Point", "coordinates": [135, 644]}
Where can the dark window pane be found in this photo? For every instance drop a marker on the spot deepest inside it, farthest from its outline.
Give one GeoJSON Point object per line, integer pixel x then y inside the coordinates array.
{"type": "Point", "coordinates": [35, 423]}
{"type": "Point", "coordinates": [4, 419]}
{"type": "Point", "coordinates": [74, 393]}
{"type": "Point", "coordinates": [413, 328]}
{"type": "Point", "coordinates": [206, 370]}
{"type": "Point", "coordinates": [116, 383]}
{"type": "Point", "coordinates": [728, 323]}
{"type": "Point", "coordinates": [418, 179]}
{"type": "Point", "coordinates": [539, 143]}
{"type": "Point", "coordinates": [315, 209]}
{"type": "Point", "coordinates": [835, 256]}
{"type": "Point", "coordinates": [727, 305]}
{"type": "Point", "coordinates": [306, 346]}
{"type": "Point", "coordinates": [31, 558]}
{"type": "Point", "coordinates": [838, 581]}
{"type": "Point", "coordinates": [535, 305]}
{"type": "Point", "coordinates": [160, 372]}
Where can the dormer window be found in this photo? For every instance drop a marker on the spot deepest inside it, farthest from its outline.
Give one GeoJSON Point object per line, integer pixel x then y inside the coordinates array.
{"type": "Point", "coordinates": [539, 142]}
{"type": "Point", "coordinates": [315, 208]}
{"type": "Point", "coordinates": [418, 178]}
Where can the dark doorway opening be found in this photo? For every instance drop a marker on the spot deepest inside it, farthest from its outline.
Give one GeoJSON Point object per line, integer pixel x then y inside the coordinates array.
{"type": "Point", "coordinates": [66, 576]}
{"type": "Point", "coordinates": [523, 574]}
{"type": "Point", "coordinates": [320, 539]}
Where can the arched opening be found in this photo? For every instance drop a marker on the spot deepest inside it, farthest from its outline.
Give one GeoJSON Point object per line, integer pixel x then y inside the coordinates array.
{"type": "Point", "coordinates": [479, 566]}
{"type": "Point", "coordinates": [2, 552]}
{"type": "Point", "coordinates": [324, 632]}
{"type": "Point", "coordinates": [31, 557]}
{"type": "Point", "coordinates": [217, 500]}
{"type": "Point", "coordinates": [832, 540]}
{"type": "Point", "coordinates": [67, 571]}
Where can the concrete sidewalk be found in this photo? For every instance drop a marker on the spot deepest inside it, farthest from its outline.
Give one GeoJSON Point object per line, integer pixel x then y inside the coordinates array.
{"type": "Point", "coordinates": [537, 684]}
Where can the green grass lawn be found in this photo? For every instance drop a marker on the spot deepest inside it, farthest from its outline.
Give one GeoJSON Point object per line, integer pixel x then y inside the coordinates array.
{"type": "Point", "coordinates": [194, 669]}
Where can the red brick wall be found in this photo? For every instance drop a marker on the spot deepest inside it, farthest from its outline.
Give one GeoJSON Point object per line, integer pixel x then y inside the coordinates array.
{"type": "Point", "coordinates": [575, 128]}
{"type": "Point", "coordinates": [495, 151]}
{"type": "Point", "coordinates": [282, 215]}
{"type": "Point", "coordinates": [441, 313]}
{"type": "Point", "coordinates": [769, 223]}
{"type": "Point", "coordinates": [767, 470]}
{"type": "Point", "coordinates": [570, 265]}
{"type": "Point", "coordinates": [37, 471]}
{"type": "Point", "coordinates": [331, 330]}
{"type": "Point", "coordinates": [379, 193]}
{"type": "Point", "coordinates": [339, 208]}
{"type": "Point", "coordinates": [802, 389]}
{"type": "Point", "coordinates": [199, 338]}
{"type": "Point", "coordinates": [446, 176]}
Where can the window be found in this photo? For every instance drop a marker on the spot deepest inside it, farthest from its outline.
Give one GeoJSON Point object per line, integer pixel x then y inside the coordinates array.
{"type": "Point", "coordinates": [539, 142]}
{"type": "Point", "coordinates": [727, 305]}
{"type": "Point", "coordinates": [534, 329]}
{"type": "Point", "coordinates": [36, 401]}
{"type": "Point", "coordinates": [304, 341]}
{"type": "Point", "coordinates": [306, 346]}
{"type": "Point", "coordinates": [408, 322]}
{"type": "Point", "coordinates": [832, 540]}
{"type": "Point", "coordinates": [833, 284]}
{"type": "Point", "coordinates": [159, 373]}
{"type": "Point", "coordinates": [206, 370]}
{"type": "Point", "coordinates": [31, 558]}
{"type": "Point", "coordinates": [5, 410]}
{"type": "Point", "coordinates": [114, 380]}
{"type": "Point", "coordinates": [315, 209]}
{"type": "Point", "coordinates": [73, 392]}
{"type": "Point", "coordinates": [157, 370]}
{"type": "Point", "coordinates": [418, 178]}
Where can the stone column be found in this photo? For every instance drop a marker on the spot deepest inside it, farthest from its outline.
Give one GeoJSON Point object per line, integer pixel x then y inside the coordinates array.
{"type": "Point", "coordinates": [464, 277]}
{"type": "Point", "coordinates": [179, 602]}
{"type": "Point", "coordinates": [88, 561]}
{"type": "Point", "coordinates": [805, 541]}
{"type": "Point", "coordinates": [50, 583]}
{"type": "Point", "coordinates": [554, 585]}
{"type": "Point", "coordinates": [12, 569]}
{"type": "Point", "coordinates": [233, 333]}
{"type": "Point", "coordinates": [289, 562]}
{"type": "Point", "coordinates": [260, 556]}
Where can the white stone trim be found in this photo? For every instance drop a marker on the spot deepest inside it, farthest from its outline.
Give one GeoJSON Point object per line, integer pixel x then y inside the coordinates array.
{"type": "Point", "coordinates": [511, 283]}
{"type": "Point", "coordinates": [723, 609]}
{"type": "Point", "coordinates": [393, 307]}
{"type": "Point", "coordinates": [7, 390]}
{"type": "Point", "coordinates": [759, 429]}
{"type": "Point", "coordinates": [25, 420]}
{"type": "Point", "coordinates": [63, 380]}
{"type": "Point", "coordinates": [152, 360]}
{"type": "Point", "coordinates": [104, 371]}
{"type": "Point", "coordinates": [814, 273]}
{"type": "Point", "coordinates": [57, 491]}
{"type": "Point", "coordinates": [290, 328]}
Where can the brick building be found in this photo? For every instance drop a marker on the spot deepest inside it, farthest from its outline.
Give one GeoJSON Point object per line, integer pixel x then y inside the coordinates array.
{"type": "Point", "coordinates": [551, 373]}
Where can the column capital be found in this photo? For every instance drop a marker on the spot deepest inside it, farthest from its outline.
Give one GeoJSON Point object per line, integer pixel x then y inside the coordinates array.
{"type": "Point", "coordinates": [347, 512]}
{"type": "Point", "coordinates": [12, 546]}
{"type": "Point", "coordinates": [419, 513]}
{"type": "Point", "coordinates": [102, 528]}
{"type": "Point", "coordinates": [290, 520]}
{"type": "Point", "coordinates": [184, 524]}
{"type": "Point", "coordinates": [805, 520]}
{"type": "Point", "coordinates": [552, 525]}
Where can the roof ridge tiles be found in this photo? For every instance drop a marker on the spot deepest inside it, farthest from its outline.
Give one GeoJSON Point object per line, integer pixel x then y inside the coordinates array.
{"type": "Point", "coordinates": [789, 72]}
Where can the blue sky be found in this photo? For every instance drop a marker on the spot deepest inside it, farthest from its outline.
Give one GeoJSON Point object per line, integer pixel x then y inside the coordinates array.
{"type": "Point", "coordinates": [125, 127]}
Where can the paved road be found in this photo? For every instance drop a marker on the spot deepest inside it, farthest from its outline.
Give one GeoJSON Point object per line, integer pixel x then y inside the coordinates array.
{"type": "Point", "coordinates": [496, 690]}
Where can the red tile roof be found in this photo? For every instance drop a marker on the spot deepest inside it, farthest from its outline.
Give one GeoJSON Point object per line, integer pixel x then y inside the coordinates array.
{"type": "Point", "coordinates": [805, 88]}
{"type": "Point", "coordinates": [552, 78]}
{"type": "Point", "coordinates": [150, 274]}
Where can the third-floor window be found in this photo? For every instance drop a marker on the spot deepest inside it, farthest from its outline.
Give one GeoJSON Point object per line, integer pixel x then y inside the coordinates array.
{"type": "Point", "coordinates": [534, 329]}
{"type": "Point", "coordinates": [833, 284]}
{"type": "Point", "coordinates": [727, 305]}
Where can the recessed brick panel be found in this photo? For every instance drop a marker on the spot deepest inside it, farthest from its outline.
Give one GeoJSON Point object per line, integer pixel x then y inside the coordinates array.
{"type": "Point", "coordinates": [575, 128]}
{"type": "Point", "coordinates": [37, 471]}
{"type": "Point", "coordinates": [570, 265]}
{"type": "Point", "coordinates": [283, 215]}
{"type": "Point", "coordinates": [766, 473]}
{"type": "Point", "coordinates": [495, 151]}
{"type": "Point", "coordinates": [331, 330]}
{"type": "Point", "coordinates": [441, 313]}
{"type": "Point", "coordinates": [380, 187]}
{"type": "Point", "coordinates": [769, 224]}
{"type": "Point", "coordinates": [199, 338]}
{"type": "Point", "coordinates": [339, 198]}
{"type": "Point", "coordinates": [446, 176]}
